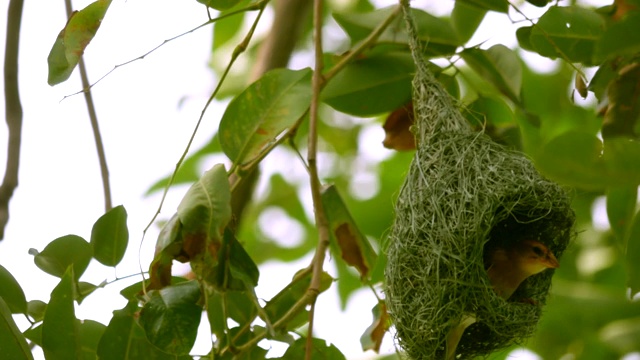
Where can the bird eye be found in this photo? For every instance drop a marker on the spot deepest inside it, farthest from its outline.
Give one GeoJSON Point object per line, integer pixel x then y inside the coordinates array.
{"type": "Point", "coordinates": [538, 250]}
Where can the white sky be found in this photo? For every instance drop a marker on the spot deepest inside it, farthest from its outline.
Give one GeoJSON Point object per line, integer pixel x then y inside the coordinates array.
{"type": "Point", "coordinates": [147, 111]}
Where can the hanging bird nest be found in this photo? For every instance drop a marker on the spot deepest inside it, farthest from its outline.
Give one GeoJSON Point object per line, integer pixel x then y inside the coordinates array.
{"type": "Point", "coordinates": [464, 194]}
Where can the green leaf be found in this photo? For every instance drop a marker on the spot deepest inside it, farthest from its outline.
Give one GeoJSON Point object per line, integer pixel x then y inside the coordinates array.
{"type": "Point", "coordinates": [11, 292]}
{"type": "Point", "coordinates": [621, 205]}
{"type": "Point", "coordinates": [171, 317]}
{"type": "Point", "coordinates": [602, 78]}
{"type": "Point", "coordinates": [36, 309]}
{"type": "Point", "coordinates": [241, 273]}
{"type": "Point", "coordinates": [73, 39]}
{"type": "Point", "coordinates": [623, 113]}
{"type": "Point", "coordinates": [205, 209]}
{"type": "Point", "coordinates": [570, 32]}
{"type": "Point", "coordinates": [359, 25]}
{"type": "Point", "coordinates": [621, 160]}
{"type": "Point", "coordinates": [60, 333]}
{"type": "Point", "coordinates": [349, 282]}
{"type": "Point", "coordinates": [579, 159]}
{"type": "Point", "coordinates": [319, 350]}
{"type": "Point", "coordinates": [268, 107]}
{"type": "Point", "coordinates": [498, 65]}
{"type": "Point", "coordinates": [523, 34]}
{"type": "Point", "coordinates": [371, 86]}
{"type": "Point", "coordinates": [465, 19]}
{"type": "Point", "coordinates": [125, 339]}
{"type": "Point", "coordinates": [621, 38]}
{"type": "Point", "coordinates": [494, 5]}
{"type": "Point", "coordinates": [90, 333]}
{"type": "Point", "coordinates": [110, 236]}
{"type": "Point", "coordinates": [12, 343]}
{"type": "Point", "coordinates": [574, 159]}
{"type": "Point", "coordinates": [489, 110]}
{"type": "Point", "coordinates": [34, 334]}
{"type": "Point", "coordinates": [224, 30]}
{"type": "Point", "coordinates": [220, 4]}
{"type": "Point", "coordinates": [632, 254]}
{"type": "Point", "coordinates": [280, 304]}
{"type": "Point", "coordinates": [438, 34]}
{"type": "Point", "coordinates": [237, 305]}
{"type": "Point", "coordinates": [61, 253]}
{"type": "Point", "coordinates": [352, 246]}
{"type": "Point", "coordinates": [85, 289]}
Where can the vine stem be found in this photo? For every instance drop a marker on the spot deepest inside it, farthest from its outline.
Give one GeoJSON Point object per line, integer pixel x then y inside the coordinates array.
{"type": "Point", "coordinates": [322, 223]}
{"type": "Point", "coordinates": [93, 118]}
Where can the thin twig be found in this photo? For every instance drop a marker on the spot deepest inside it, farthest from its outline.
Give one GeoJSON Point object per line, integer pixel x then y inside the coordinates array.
{"type": "Point", "coordinates": [13, 110]}
{"type": "Point", "coordinates": [255, 6]}
{"type": "Point", "coordinates": [93, 118]}
{"type": "Point", "coordinates": [240, 48]}
{"type": "Point", "coordinates": [322, 223]}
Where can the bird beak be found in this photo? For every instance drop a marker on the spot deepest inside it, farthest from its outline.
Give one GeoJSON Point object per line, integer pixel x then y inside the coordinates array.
{"type": "Point", "coordinates": [551, 261]}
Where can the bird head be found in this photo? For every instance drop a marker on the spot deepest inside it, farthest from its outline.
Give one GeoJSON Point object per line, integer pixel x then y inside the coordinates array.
{"type": "Point", "coordinates": [534, 257]}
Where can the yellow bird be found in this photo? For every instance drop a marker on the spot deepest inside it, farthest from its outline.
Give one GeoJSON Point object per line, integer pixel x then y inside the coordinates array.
{"type": "Point", "coordinates": [508, 268]}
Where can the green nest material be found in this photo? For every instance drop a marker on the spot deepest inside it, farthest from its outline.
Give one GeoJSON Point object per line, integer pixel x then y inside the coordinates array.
{"type": "Point", "coordinates": [464, 194]}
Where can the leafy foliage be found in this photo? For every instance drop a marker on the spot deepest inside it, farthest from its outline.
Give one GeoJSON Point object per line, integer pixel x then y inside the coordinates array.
{"type": "Point", "coordinates": [595, 152]}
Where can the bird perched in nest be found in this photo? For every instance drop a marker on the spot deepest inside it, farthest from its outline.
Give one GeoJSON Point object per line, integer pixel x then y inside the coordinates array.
{"type": "Point", "coordinates": [507, 268]}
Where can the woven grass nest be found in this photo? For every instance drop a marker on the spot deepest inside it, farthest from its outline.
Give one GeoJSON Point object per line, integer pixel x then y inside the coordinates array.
{"type": "Point", "coordinates": [464, 194]}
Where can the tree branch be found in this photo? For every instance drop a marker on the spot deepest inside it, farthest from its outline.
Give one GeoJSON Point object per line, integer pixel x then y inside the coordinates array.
{"type": "Point", "coordinates": [13, 110]}
{"type": "Point", "coordinates": [322, 223]}
{"type": "Point", "coordinates": [93, 118]}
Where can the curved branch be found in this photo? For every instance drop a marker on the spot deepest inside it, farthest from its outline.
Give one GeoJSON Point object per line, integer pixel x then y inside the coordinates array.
{"type": "Point", "coordinates": [13, 110]}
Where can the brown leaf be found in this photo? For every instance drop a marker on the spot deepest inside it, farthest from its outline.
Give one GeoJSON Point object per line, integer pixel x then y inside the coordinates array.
{"type": "Point", "coordinates": [397, 128]}
{"type": "Point", "coordinates": [581, 86]}
{"type": "Point", "coordinates": [372, 337]}
{"type": "Point", "coordinates": [622, 7]}
{"type": "Point", "coordinates": [349, 246]}
{"type": "Point", "coordinates": [159, 274]}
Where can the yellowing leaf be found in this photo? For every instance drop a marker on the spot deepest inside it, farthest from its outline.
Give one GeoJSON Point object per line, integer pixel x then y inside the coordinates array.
{"type": "Point", "coordinates": [372, 337]}
{"type": "Point", "coordinates": [73, 39]}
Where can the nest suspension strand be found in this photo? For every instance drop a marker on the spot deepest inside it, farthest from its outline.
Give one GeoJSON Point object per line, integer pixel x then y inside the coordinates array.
{"type": "Point", "coordinates": [464, 194]}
